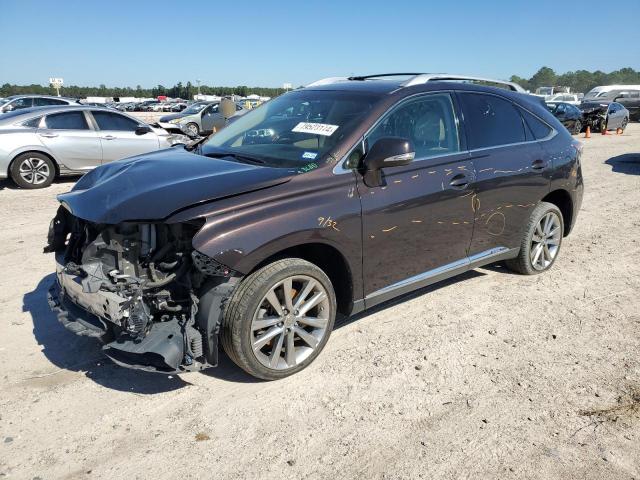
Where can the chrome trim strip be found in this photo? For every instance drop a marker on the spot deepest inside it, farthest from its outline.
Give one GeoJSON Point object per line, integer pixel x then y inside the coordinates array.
{"type": "Point", "coordinates": [467, 263]}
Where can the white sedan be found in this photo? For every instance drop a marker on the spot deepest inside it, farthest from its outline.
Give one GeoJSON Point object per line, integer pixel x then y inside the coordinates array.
{"type": "Point", "coordinates": [36, 144]}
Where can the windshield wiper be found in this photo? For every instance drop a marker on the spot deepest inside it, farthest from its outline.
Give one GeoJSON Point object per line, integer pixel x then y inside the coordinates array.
{"type": "Point", "coordinates": [238, 156]}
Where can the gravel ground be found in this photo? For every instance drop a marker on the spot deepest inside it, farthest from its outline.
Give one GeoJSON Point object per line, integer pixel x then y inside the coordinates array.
{"type": "Point", "coordinates": [491, 375]}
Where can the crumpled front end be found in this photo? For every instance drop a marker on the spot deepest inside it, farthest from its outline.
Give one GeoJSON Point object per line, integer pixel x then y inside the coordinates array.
{"type": "Point", "coordinates": [138, 287]}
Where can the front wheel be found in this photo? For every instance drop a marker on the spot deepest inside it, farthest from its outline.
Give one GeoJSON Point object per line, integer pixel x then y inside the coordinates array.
{"type": "Point", "coordinates": [577, 127]}
{"type": "Point", "coordinates": [192, 129]}
{"type": "Point", "coordinates": [541, 241]}
{"type": "Point", "coordinates": [279, 319]}
{"type": "Point", "coordinates": [602, 125]}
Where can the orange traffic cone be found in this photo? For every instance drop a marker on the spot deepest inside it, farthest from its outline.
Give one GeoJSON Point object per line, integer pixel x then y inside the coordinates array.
{"type": "Point", "coordinates": [605, 131]}
{"type": "Point", "coordinates": [618, 131]}
{"type": "Point", "coordinates": [587, 132]}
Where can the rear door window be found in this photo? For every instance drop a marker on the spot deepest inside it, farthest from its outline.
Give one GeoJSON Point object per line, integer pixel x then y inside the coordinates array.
{"type": "Point", "coordinates": [114, 121]}
{"type": "Point", "coordinates": [539, 129]}
{"type": "Point", "coordinates": [43, 102]}
{"type": "Point", "coordinates": [491, 121]}
{"type": "Point", "coordinates": [33, 123]}
{"type": "Point", "coordinates": [429, 123]}
{"type": "Point", "coordinates": [66, 121]}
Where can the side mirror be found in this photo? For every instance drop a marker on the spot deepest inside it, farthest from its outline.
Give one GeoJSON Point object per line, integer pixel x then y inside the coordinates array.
{"type": "Point", "coordinates": [386, 152]}
{"type": "Point", "coordinates": [142, 129]}
{"type": "Point", "coordinates": [8, 108]}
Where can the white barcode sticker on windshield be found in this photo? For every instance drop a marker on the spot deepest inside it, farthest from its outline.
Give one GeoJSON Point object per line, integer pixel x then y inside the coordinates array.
{"type": "Point", "coordinates": [315, 128]}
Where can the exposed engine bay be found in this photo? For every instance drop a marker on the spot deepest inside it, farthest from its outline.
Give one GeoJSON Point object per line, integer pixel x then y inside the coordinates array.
{"type": "Point", "coordinates": [138, 287]}
{"type": "Point", "coordinates": [595, 115]}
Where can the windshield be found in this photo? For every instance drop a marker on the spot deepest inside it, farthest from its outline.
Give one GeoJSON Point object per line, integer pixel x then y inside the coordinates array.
{"type": "Point", "coordinates": [294, 129]}
{"type": "Point", "coordinates": [195, 108]}
{"type": "Point", "coordinates": [593, 93]}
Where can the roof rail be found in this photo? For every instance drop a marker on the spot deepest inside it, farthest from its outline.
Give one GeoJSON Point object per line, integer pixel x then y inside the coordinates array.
{"type": "Point", "coordinates": [367, 77]}
{"type": "Point", "coordinates": [327, 81]}
{"type": "Point", "coordinates": [428, 77]}
{"type": "Point", "coordinates": [420, 79]}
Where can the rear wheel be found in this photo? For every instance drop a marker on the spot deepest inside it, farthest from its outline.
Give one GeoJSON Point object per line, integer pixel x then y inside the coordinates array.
{"type": "Point", "coordinates": [541, 241]}
{"type": "Point", "coordinates": [32, 170]}
{"type": "Point", "coordinates": [625, 121]}
{"type": "Point", "coordinates": [279, 319]}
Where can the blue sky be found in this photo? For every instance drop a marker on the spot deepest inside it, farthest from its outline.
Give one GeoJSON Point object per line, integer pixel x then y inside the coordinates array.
{"type": "Point", "coordinates": [266, 43]}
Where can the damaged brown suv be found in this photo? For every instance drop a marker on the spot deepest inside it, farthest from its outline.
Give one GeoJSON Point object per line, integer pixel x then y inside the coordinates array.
{"type": "Point", "coordinates": [326, 200]}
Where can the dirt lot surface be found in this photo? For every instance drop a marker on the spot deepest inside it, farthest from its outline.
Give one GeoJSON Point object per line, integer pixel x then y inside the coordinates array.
{"type": "Point", "coordinates": [492, 375]}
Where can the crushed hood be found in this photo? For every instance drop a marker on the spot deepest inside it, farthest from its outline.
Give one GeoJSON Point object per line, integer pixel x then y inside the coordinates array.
{"type": "Point", "coordinates": [166, 118]}
{"type": "Point", "coordinates": [153, 186]}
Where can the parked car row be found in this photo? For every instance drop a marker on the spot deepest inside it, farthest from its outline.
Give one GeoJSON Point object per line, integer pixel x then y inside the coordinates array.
{"type": "Point", "coordinates": [598, 116]}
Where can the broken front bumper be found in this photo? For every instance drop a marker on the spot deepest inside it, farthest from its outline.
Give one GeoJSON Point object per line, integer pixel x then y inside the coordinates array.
{"type": "Point", "coordinates": [83, 313]}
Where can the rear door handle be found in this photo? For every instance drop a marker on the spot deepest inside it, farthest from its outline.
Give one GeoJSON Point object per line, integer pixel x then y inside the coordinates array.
{"type": "Point", "coordinates": [539, 164]}
{"type": "Point", "coordinates": [108, 137]}
{"type": "Point", "coordinates": [459, 181]}
{"type": "Point", "coordinates": [49, 135]}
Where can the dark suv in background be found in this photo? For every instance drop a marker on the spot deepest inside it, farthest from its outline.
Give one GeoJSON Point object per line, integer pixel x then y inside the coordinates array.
{"type": "Point", "coordinates": [326, 200]}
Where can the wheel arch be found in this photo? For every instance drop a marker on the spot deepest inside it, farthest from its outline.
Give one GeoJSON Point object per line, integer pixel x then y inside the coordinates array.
{"type": "Point", "coordinates": [330, 260]}
{"type": "Point", "coordinates": [562, 199]}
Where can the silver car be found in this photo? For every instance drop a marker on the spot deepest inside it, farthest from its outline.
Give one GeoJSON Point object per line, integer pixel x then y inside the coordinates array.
{"type": "Point", "coordinates": [198, 118]}
{"type": "Point", "coordinates": [17, 102]}
{"type": "Point", "coordinates": [36, 144]}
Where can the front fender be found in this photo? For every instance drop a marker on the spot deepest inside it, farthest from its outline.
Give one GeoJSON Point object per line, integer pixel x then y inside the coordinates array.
{"type": "Point", "coordinates": [242, 232]}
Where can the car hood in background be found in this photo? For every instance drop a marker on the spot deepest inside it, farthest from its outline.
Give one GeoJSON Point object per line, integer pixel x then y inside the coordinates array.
{"type": "Point", "coordinates": [166, 118]}
{"type": "Point", "coordinates": [153, 186]}
{"type": "Point", "coordinates": [590, 107]}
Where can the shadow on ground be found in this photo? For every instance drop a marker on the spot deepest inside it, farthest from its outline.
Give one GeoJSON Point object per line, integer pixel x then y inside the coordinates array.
{"type": "Point", "coordinates": [341, 322]}
{"type": "Point", "coordinates": [75, 353]}
{"type": "Point", "coordinates": [9, 185]}
{"type": "Point", "coordinates": [628, 163]}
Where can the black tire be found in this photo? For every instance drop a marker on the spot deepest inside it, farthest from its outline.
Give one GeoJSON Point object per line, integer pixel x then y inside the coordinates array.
{"type": "Point", "coordinates": [602, 125]}
{"type": "Point", "coordinates": [32, 170]}
{"type": "Point", "coordinates": [236, 333]}
{"type": "Point", "coordinates": [192, 128]}
{"type": "Point", "coordinates": [624, 124]}
{"type": "Point", "coordinates": [577, 127]}
{"type": "Point", "coordinates": [523, 262]}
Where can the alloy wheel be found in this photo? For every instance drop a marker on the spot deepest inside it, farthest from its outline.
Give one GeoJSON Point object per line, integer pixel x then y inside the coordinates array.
{"type": "Point", "coordinates": [290, 322]}
{"type": "Point", "coordinates": [545, 241]}
{"type": "Point", "coordinates": [578, 127]}
{"type": "Point", "coordinates": [34, 171]}
{"type": "Point", "coordinates": [192, 129]}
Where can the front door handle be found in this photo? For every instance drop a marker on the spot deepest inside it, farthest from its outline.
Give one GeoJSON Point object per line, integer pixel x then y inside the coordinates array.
{"type": "Point", "coordinates": [539, 164]}
{"type": "Point", "coordinates": [108, 137]}
{"type": "Point", "coordinates": [459, 181]}
{"type": "Point", "coordinates": [49, 135]}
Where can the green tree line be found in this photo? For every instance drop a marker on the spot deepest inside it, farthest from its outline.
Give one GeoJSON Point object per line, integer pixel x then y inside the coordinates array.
{"type": "Point", "coordinates": [579, 81]}
{"type": "Point", "coordinates": [185, 91]}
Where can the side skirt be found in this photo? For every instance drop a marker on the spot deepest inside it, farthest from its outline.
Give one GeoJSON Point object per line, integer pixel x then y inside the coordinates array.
{"type": "Point", "coordinates": [438, 274]}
